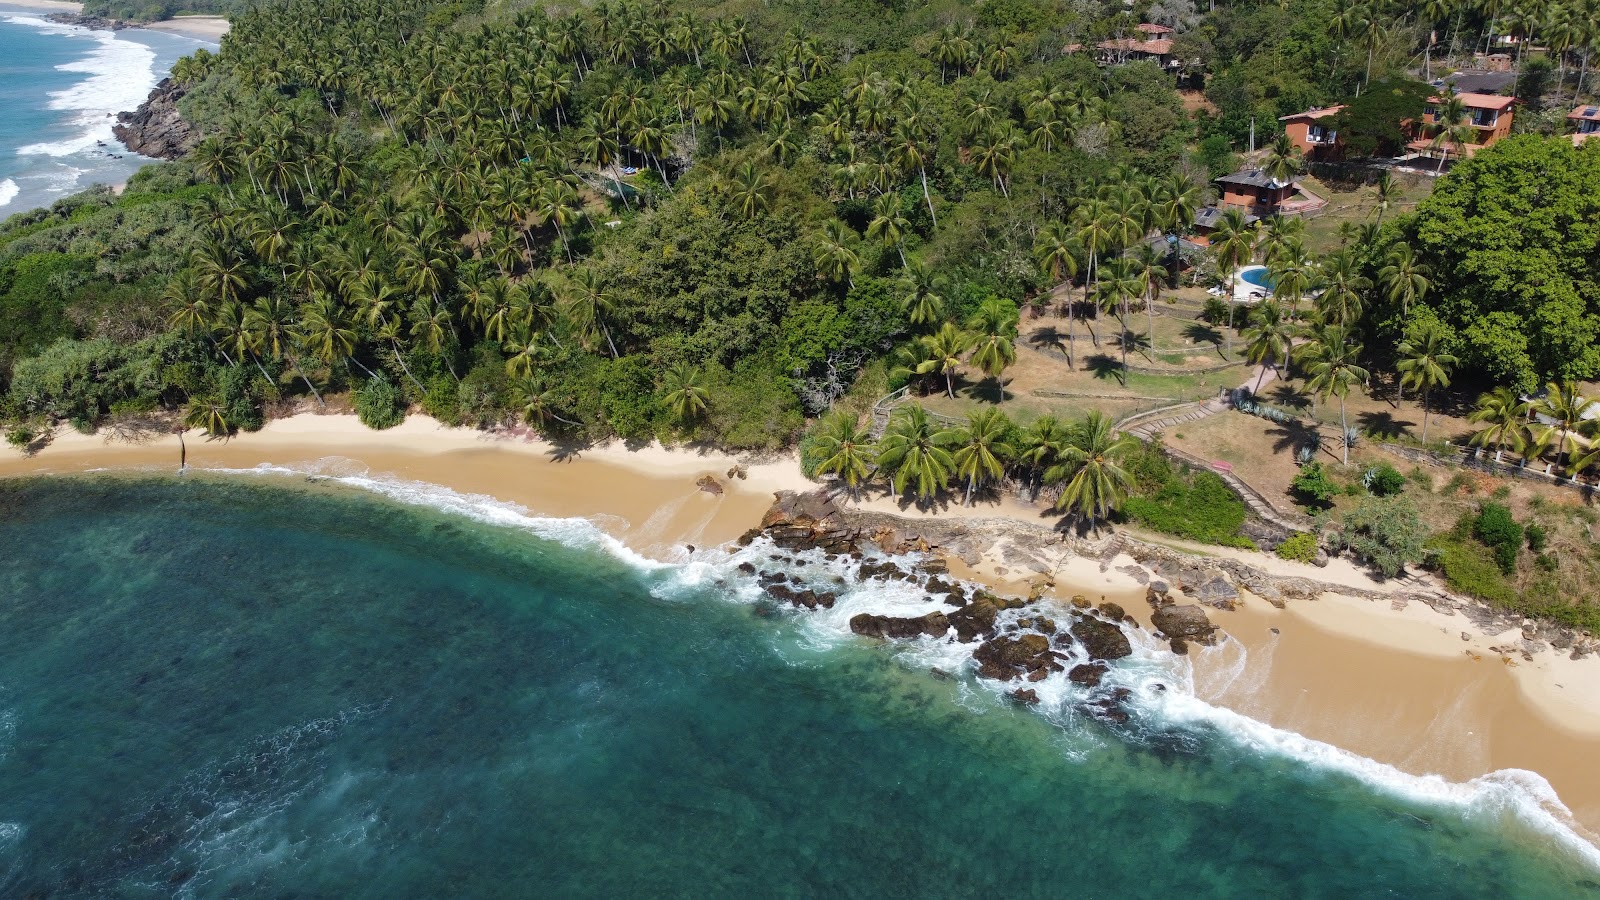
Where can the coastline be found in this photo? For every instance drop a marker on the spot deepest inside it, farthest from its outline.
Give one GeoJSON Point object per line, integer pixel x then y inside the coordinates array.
{"type": "Point", "coordinates": [1397, 685]}
{"type": "Point", "coordinates": [203, 28]}
{"type": "Point", "coordinates": [62, 6]}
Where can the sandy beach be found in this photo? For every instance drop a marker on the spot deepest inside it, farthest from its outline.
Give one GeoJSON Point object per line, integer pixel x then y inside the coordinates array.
{"type": "Point", "coordinates": [47, 5]}
{"type": "Point", "coordinates": [1397, 685]}
{"type": "Point", "coordinates": [205, 28]}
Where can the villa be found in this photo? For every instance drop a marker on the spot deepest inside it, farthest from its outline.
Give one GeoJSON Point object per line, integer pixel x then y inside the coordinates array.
{"type": "Point", "coordinates": [1155, 45]}
{"type": "Point", "coordinates": [1585, 122]}
{"type": "Point", "coordinates": [1488, 116]}
{"type": "Point", "coordinates": [1312, 133]}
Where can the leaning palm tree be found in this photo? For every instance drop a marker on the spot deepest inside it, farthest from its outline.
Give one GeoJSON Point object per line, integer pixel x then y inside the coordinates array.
{"type": "Point", "coordinates": [1505, 418]}
{"type": "Point", "coordinates": [910, 452]}
{"type": "Point", "coordinates": [983, 448]}
{"type": "Point", "coordinates": [944, 348]}
{"type": "Point", "coordinates": [207, 414]}
{"type": "Point", "coordinates": [1334, 369]}
{"type": "Point", "coordinates": [1425, 363]}
{"type": "Point", "coordinates": [588, 304]}
{"type": "Point", "coordinates": [1091, 470]}
{"type": "Point", "coordinates": [841, 447]}
{"type": "Point", "coordinates": [686, 397]}
{"type": "Point", "coordinates": [1268, 338]}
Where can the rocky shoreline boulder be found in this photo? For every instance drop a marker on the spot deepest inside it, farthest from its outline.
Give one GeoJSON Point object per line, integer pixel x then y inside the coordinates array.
{"type": "Point", "coordinates": [156, 129]}
{"type": "Point", "coordinates": [1103, 640]}
{"type": "Point", "coordinates": [1182, 623]}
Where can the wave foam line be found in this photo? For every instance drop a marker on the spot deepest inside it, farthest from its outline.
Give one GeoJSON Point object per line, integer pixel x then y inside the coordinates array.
{"type": "Point", "coordinates": [8, 191]}
{"type": "Point", "coordinates": [573, 532]}
{"type": "Point", "coordinates": [1524, 795]}
{"type": "Point", "coordinates": [120, 75]}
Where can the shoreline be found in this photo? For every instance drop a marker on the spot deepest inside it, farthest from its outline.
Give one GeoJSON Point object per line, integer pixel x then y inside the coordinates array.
{"type": "Point", "coordinates": [1392, 681]}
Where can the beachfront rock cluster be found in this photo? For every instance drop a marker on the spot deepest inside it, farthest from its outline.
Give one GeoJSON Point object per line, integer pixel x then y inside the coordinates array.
{"type": "Point", "coordinates": [1025, 648]}
{"type": "Point", "coordinates": [156, 129]}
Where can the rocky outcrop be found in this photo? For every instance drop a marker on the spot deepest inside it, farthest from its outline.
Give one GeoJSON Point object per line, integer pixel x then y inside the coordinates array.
{"type": "Point", "coordinates": [934, 624]}
{"type": "Point", "coordinates": [1103, 640]}
{"type": "Point", "coordinates": [1183, 623]}
{"type": "Point", "coordinates": [156, 129]}
{"type": "Point", "coordinates": [1008, 657]}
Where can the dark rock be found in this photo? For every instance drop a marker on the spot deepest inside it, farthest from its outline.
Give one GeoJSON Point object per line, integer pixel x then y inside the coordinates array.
{"type": "Point", "coordinates": [156, 129]}
{"type": "Point", "coordinates": [1155, 598]}
{"type": "Point", "coordinates": [1080, 601]}
{"type": "Point", "coordinates": [1187, 622]}
{"type": "Point", "coordinates": [1179, 646]}
{"type": "Point", "coordinates": [1087, 674]}
{"type": "Point", "coordinates": [1113, 611]}
{"type": "Point", "coordinates": [1048, 626]}
{"type": "Point", "coordinates": [933, 567]}
{"type": "Point", "coordinates": [885, 570]}
{"type": "Point", "coordinates": [767, 579]}
{"type": "Point", "coordinates": [747, 568]}
{"type": "Point", "coordinates": [933, 624]}
{"type": "Point", "coordinates": [941, 674]}
{"type": "Point", "coordinates": [1218, 592]}
{"type": "Point", "coordinates": [974, 620]}
{"type": "Point", "coordinates": [1025, 696]}
{"type": "Point", "coordinates": [1103, 640]}
{"type": "Point", "coordinates": [709, 484]}
{"type": "Point", "coordinates": [1007, 657]}
{"type": "Point", "coordinates": [956, 598]}
{"type": "Point", "coordinates": [938, 586]}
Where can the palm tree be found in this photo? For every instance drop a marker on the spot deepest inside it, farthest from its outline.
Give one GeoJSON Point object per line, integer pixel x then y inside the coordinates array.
{"type": "Point", "coordinates": [911, 452]}
{"type": "Point", "coordinates": [1233, 243]}
{"type": "Point", "coordinates": [843, 448]}
{"type": "Point", "coordinates": [1342, 302]}
{"type": "Point", "coordinates": [1042, 446]}
{"type": "Point", "coordinates": [1269, 338]}
{"type": "Point", "coordinates": [1334, 369]}
{"type": "Point", "coordinates": [889, 223]}
{"type": "Point", "coordinates": [686, 396]}
{"type": "Point", "coordinates": [752, 190]}
{"type": "Point", "coordinates": [1424, 363]}
{"type": "Point", "coordinates": [995, 324]}
{"type": "Point", "coordinates": [1402, 278]}
{"type": "Point", "coordinates": [588, 304]}
{"type": "Point", "coordinates": [832, 254]}
{"type": "Point", "coordinates": [1567, 411]}
{"type": "Point", "coordinates": [1283, 160]}
{"type": "Point", "coordinates": [921, 294]}
{"type": "Point", "coordinates": [983, 448]}
{"type": "Point", "coordinates": [944, 348]}
{"type": "Point", "coordinates": [1091, 468]}
{"type": "Point", "coordinates": [1505, 417]}
{"type": "Point", "coordinates": [269, 322]}
{"type": "Point", "coordinates": [1056, 252]}
{"type": "Point", "coordinates": [208, 414]}
{"type": "Point", "coordinates": [1114, 293]}
{"type": "Point", "coordinates": [1386, 191]}
{"type": "Point", "coordinates": [1453, 130]}
{"type": "Point", "coordinates": [1292, 271]}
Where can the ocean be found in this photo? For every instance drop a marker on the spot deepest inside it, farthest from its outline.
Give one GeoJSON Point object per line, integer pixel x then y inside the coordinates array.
{"type": "Point", "coordinates": [264, 684]}
{"type": "Point", "coordinates": [61, 87]}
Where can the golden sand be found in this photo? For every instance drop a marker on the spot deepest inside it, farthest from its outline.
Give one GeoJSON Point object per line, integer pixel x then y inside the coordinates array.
{"type": "Point", "coordinates": [1399, 686]}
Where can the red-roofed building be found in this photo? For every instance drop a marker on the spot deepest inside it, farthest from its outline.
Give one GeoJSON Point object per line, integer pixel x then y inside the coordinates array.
{"type": "Point", "coordinates": [1158, 47]}
{"type": "Point", "coordinates": [1311, 131]}
{"type": "Point", "coordinates": [1152, 29]}
{"type": "Point", "coordinates": [1585, 123]}
{"type": "Point", "coordinates": [1488, 116]}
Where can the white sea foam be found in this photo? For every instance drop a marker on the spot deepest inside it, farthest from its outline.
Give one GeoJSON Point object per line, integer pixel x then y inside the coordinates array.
{"type": "Point", "coordinates": [8, 191]}
{"type": "Point", "coordinates": [120, 74]}
{"type": "Point", "coordinates": [1163, 696]}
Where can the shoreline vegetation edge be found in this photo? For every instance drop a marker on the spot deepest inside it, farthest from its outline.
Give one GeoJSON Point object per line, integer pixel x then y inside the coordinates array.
{"type": "Point", "coordinates": [1371, 667]}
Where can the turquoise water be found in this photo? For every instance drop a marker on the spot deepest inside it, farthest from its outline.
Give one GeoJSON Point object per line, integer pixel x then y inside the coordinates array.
{"type": "Point", "coordinates": [261, 687]}
{"type": "Point", "coordinates": [1256, 275]}
{"type": "Point", "coordinates": [60, 90]}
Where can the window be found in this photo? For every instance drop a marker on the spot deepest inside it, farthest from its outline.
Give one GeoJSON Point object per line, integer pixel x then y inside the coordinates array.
{"type": "Point", "coordinates": [1484, 118]}
{"type": "Point", "coordinates": [1431, 111]}
{"type": "Point", "coordinates": [1317, 134]}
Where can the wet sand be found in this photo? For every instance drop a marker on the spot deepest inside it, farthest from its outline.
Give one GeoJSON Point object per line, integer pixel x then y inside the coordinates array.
{"type": "Point", "coordinates": [1398, 686]}
{"type": "Point", "coordinates": [205, 28]}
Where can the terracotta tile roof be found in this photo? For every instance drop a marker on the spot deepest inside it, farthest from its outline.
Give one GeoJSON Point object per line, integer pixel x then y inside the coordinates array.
{"type": "Point", "coordinates": [1149, 28]}
{"type": "Point", "coordinates": [1585, 113]}
{"type": "Point", "coordinates": [1480, 101]}
{"type": "Point", "coordinates": [1160, 47]}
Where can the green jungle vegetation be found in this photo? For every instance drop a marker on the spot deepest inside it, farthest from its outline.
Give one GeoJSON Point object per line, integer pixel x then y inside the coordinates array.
{"type": "Point", "coordinates": [716, 223]}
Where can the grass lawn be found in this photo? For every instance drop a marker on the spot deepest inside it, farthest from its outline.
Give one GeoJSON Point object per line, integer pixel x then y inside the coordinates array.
{"type": "Point", "coordinates": [1356, 205]}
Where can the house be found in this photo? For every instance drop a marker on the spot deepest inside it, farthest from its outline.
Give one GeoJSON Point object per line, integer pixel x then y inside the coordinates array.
{"type": "Point", "coordinates": [1585, 122]}
{"type": "Point", "coordinates": [1311, 133]}
{"type": "Point", "coordinates": [1488, 117]}
{"type": "Point", "coordinates": [1493, 62]}
{"type": "Point", "coordinates": [1155, 44]}
{"type": "Point", "coordinates": [1259, 196]}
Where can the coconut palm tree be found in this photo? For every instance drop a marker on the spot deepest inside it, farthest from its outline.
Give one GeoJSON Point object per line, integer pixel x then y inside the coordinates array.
{"type": "Point", "coordinates": [983, 448]}
{"type": "Point", "coordinates": [1450, 120]}
{"type": "Point", "coordinates": [1386, 191]}
{"type": "Point", "coordinates": [1090, 469]}
{"type": "Point", "coordinates": [1344, 288]}
{"type": "Point", "coordinates": [1283, 160]}
{"type": "Point", "coordinates": [832, 254]}
{"type": "Point", "coordinates": [686, 396]}
{"type": "Point", "coordinates": [889, 223]}
{"type": "Point", "coordinates": [1402, 278]}
{"type": "Point", "coordinates": [1119, 285]}
{"type": "Point", "coordinates": [1269, 338]}
{"type": "Point", "coordinates": [1568, 412]}
{"type": "Point", "coordinates": [994, 327]}
{"type": "Point", "coordinates": [1041, 446]}
{"type": "Point", "coordinates": [843, 448]}
{"type": "Point", "coordinates": [912, 453]}
{"type": "Point", "coordinates": [588, 305]}
{"type": "Point", "coordinates": [208, 414]}
{"type": "Point", "coordinates": [944, 348]}
{"type": "Point", "coordinates": [1056, 251]}
{"type": "Point", "coordinates": [921, 294]}
{"type": "Point", "coordinates": [1505, 418]}
{"type": "Point", "coordinates": [1233, 243]}
{"type": "Point", "coordinates": [1425, 363]}
{"type": "Point", "coordinates": [1334, 369]}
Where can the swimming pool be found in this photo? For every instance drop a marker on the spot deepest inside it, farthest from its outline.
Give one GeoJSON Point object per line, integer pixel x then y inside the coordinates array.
{"type": "Point", "coordinates": [1256, 275]}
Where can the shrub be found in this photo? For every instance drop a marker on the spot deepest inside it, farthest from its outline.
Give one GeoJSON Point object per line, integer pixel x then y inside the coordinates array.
{"type": "Point", "coordinates": [1538, 537]}
{"type": "Point", "coordinates": [1215, 311]}
{"type": "Point", "coordinates": [1313, 486]}
{"type": "Point", "coordinates": [1200, 507]}
{"type": "Point", "coordinates": [1501, 533]}
{"type": "Point", "coordinates": [379, 404]}
{"type": "Point", "coordinates": [1386, 532]}
{"type": "Point", "coordinates": [1384, 480]}
{"type": "Point", "coordinates": [1467, 572]}
{"type": "Point", "coordinates": [1300, 547]}
{"type": "Point", "coordinates": [20, 436]}
{"type": "Point", "coordinates": [1421, 478]}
